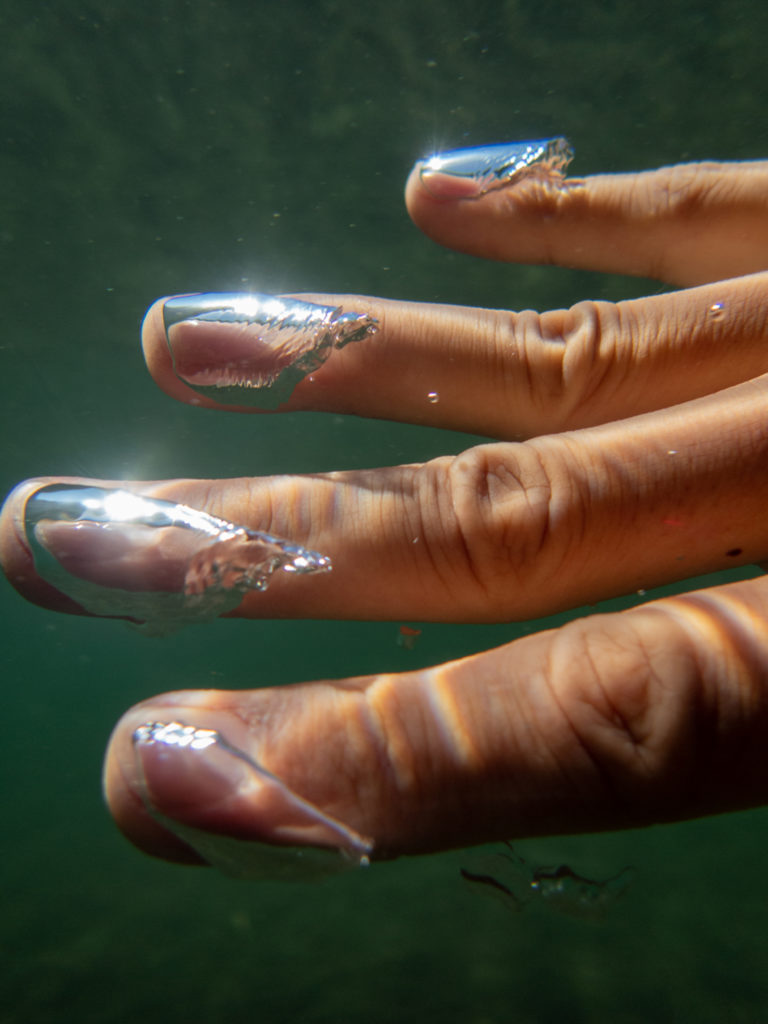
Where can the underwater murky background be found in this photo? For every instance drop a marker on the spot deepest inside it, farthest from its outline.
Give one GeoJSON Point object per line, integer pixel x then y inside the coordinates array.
{"type": "Point", "coordinates": [151, 148]}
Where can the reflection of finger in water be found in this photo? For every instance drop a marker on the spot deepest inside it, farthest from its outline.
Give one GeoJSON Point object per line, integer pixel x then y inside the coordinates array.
{"type": "Point", "coordinates": [495, 888]}
{"type": "Point", "coordinates": [510, 878]}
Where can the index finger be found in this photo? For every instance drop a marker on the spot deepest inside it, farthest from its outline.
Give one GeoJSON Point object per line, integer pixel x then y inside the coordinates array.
{"type": "Point", "coordinates": [499, 373]}
{"type": "Point", "coordinates": [687, 224]}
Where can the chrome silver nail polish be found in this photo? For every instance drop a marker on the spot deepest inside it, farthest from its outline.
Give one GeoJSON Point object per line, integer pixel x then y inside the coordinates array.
{"type": "Point", "coordinates": [470, 173]}
{"type": "Point", "coordinates": [239, 817]}
{"type": "Point", "coordinates": [158, 564]}
{"type": "Point", "coordinates": [253, 349]}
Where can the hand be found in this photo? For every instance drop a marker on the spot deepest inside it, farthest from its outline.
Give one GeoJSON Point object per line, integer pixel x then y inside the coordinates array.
{"type": "Point", "coordinates": [648, 427]}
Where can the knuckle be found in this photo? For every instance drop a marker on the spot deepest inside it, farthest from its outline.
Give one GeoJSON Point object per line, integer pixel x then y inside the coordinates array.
{"type": "Point", "coordinates": [589, 349]}
{"type": "Point", "coordinates": [573, 355]}
{"type": "Point", "coordinates": [633, 702]}
{"type": "Point", "coordinates": [682, 190]}
{"type": "Point", "coordinates": [495, 505]}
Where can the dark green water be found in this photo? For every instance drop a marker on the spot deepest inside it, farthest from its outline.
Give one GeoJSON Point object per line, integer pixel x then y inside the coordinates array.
{"type": "Point", "coordinates": [149, 148]}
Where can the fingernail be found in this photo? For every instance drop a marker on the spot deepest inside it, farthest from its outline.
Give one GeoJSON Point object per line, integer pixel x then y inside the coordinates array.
{"type": "Point", "coordinates": [470, 173]}
{"type": "Point", "coordinates": [236, 815]}
{"type": "Point", "coordinates": [158, 564]}
{"type": "Point", "coordinates": [254, 349]}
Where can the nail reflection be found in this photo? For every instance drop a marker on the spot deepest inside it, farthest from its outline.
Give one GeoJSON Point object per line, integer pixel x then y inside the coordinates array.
{"type": "Point", "coordinates": [253, 349]}
{"type": "Point", "coordinates": [158, 564]}
{"type": "Point", "coordinates": [470, 173]}
{"type": "Point", "coordinates": [236, 815]}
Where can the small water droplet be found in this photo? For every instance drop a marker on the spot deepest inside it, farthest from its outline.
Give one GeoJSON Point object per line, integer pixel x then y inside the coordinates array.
{"type": "Point", "coordinates": [641, 592]}
{"type": "Point", "coordinates": [672, 451]}
{"type": "Point", "coordinates": [717, 310]}
{"type": "Point", "coordinates": [433, 397]}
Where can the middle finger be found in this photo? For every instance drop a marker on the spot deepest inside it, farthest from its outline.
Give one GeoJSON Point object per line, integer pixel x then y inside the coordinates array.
{"type": "Point", "coordinates": [503, 531]}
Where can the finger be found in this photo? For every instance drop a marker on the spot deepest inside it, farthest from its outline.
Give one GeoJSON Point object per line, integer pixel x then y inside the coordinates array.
{"type": "Point", "coordinates": [616, 721]}
{"type": "Point", "coordinates": [685, 225]}
{"type": "Point", "coordinates": [507, 375]}
{"type": "Point", "coordinates": [501, 532]}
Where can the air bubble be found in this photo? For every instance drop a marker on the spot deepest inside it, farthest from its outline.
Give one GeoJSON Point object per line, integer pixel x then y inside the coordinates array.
{"type": "Point", "coordinates": [717, 310]}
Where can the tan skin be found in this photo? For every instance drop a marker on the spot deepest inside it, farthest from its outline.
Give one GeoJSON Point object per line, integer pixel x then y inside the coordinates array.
{"type": "Point", "coordinates": [646, 461]}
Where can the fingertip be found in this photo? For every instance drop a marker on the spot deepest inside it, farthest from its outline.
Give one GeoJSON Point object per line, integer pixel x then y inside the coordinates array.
{"type": "Point", "coordinates": [153, 331]}
{"type": "Point", "coordinates": [16, 558]}
{"type": "Point", "coordinates": [505, 224]}
{"type": "Point", "coordinates": [158, 358]}
{"type": "Point", "coordinates": [15, 554]}
{"type": "Point", "coordinates": [122, 784]}
{"type": "Point", "coordinates": [152, 328]}
{"type": "Point", "coordinates": [439, 217]}
{"type": "Point", "coordinates": [249, 351]}
{"type": "Point", "coordinates": [422, 198]}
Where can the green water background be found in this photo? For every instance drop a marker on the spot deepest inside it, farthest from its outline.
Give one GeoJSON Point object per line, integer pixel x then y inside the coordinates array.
{"type": "Point", "coordinates": [152, 148]}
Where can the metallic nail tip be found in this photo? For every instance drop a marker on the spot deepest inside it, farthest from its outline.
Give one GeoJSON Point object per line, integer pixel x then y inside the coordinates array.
{"type": "Point", "coordinates": [244, 858]}
{"type": "Point", "coordinates": [471, 173]}
{"type": "Point", "coordinates": [97, 545]}
{"type": "Point", "coordinates": [282, 340]}
{"type": "Point", "coordinates": [175, 734]}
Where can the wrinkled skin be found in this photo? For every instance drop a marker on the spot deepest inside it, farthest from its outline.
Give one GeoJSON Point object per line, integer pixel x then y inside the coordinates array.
{"type": "Point", "coordinates": [632, 451]}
